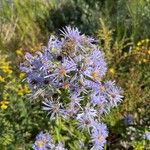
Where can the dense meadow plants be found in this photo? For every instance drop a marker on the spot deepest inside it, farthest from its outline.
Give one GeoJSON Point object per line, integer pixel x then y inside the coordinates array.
{"type": "Point", "coordinates": [128, 64]}
{"type": "Point", "coordinates": [68, 75]}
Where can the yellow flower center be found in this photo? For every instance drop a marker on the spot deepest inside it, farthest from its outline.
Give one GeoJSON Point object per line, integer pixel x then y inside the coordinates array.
{"type": "Point", "coordinates": [66, 85]}
{"type": "Point", "coordinates": [62, 72]}
{"type": "Point", "coordinates": [1, 79]}
{"type": "Point", "coordinates": [100, 137]}
{"type": "Point", "coordinates": [40, 143]}
{"type": "Point", "coordinates": [94, 74]}
{"type": "Point", "coordinates": [145, 60]}
{"type": "Point", "coordinates": [102, 88]}
{"type": "Point", "coordinates": [68, 47]}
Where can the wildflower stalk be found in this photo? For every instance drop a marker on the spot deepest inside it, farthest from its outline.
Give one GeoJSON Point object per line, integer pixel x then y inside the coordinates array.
{"type": "Point", "coordinates": [69, 73]}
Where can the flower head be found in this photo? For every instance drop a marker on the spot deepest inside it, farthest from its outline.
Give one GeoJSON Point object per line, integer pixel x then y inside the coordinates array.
{"type": "Point", "coordinates": [4, 104]}
{"type": "Point", "coordinates": [86, 118]}
{"type": "Point", "coordinates": [60, 146]}
{"type": "Point", "coordinates": [147, 135]}
{"type": "Point", "coordinates": [54, 109]}
{"type": "Point", "coordinates": [113, 93]}
{"type": "Point", "coordinates": [98, 135]}
{"type": "Point", "coordinates": [128, 119]}
{"type": "Point", "coordinates": [43, 142]}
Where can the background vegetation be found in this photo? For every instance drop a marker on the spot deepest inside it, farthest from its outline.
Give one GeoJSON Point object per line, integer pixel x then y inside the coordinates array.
{"type": "Point", "coordinates": [122, 30]}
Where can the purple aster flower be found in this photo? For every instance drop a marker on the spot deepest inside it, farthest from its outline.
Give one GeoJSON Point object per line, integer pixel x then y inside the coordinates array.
{"type": "Point", "coordinates": [79, 42]}
{"type": "Point", "coordinates": [76, 86]}
{"type": "Point", "coordinates": [54, 45]}
{"type": "Point", "coordinates": [128, 119]}
{"type": "Point", "coordinates": [37, 68]}
{"type": "Point", "coordinates": [96, 58]}
{"type": "Point", "coordinates": [71, 33]}
{"type": "Point", "coordinates": [29, 57]}
{"type": "Point", "coordinates": [99, 134]}
{"type": "Point", "coordinates": [147, 135]}
{"type": "Point", "coordinates": [113, 93]}
{"type": "Point", "coordinates": [96, 65]}
{"type": "Point", "coordinates": [99, 100]}
{"type": "Point", "coordinates": [84, 122]}
{"type": "Point", "coordinates": [34, 80]}
{"type": "Point", "coordinates": [54, 109]}
{"type": "Point", "coordinates": [60, 146]}
{"type": "Point", "coordinates": [63, 70]}
{"type": "Point", "coordinates": [74, 105]}
{"type": "Point", "coordinates": [30, 64]}
{"type": "Point", "coordinates": [43, 142]}
{"type": "Point", "coordinates": [69, 64]}
{"type": "Point", "coordinates": [86, 118]}
{"type": "Point", "coordinates": [46, 60]}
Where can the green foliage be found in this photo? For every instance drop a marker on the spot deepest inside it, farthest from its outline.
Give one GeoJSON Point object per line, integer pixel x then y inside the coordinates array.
{"type": "Point", "coordinates": [19, 22]}
{"type": "Point", "coordinates": [129, 66]}
{"type": "Point", "coordinates": [82, 14]}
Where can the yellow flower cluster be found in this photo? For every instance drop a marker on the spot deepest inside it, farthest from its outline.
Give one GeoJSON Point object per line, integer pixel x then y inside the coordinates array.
{"type": "Point", "coordinates": [143, 42]}
{"type": "Point", "coordinates": [4, 104]}
{"type": "Point", "coordinates": [19, 52]}
{"type": "Point", "coordinates": [6, 68]}
{"type": "Point", "coordinates": [112, 71]}
{"type": "Point", "coordinates": [142, 49]}
{"type": "Point", "coordinates": [21, 91]}
{"type": "Point", "coordinates": [21, 75]}
{"type": "Point", "coordinates": [1, 79]}
{"type": "Point", "coordinates": [36, 47]}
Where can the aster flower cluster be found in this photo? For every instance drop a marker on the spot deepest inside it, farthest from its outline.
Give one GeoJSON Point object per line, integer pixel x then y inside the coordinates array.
{"type": "Point", "coordinates": [147, 135]}
{"type": "Point", "coordinates": [44, 142]}
{"type": "Point", "coordinates": [68, 75]}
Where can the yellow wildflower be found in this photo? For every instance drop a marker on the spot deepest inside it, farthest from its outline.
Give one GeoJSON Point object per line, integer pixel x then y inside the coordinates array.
{"type": "Point", "coordinates": [125, 54]}
{"type": "Point", "coordinates": [148, 51]}
{"type": "Point", "coordinates": [19, 52]}
{"type": "Point", "coordinates": [140, 62]}
{"type": "Point", "coordinates": [32, 50]}
{"type": "Point", "coordinates": [112, 70]}
{"type": "Point", "coordinates": [137, 48]}
{"type": "Point", "coordinates": [4, 104]}
{"type": "Point", "coordinates": [147, 40]}
{"type": "Point", "coordinates": [21, 75]}
{"type": "Point", "coordinates": [139, 43]}
{"type": "Point", "coordinates": [6, 69]}
{"type": "Point", "coordinates": [138, 146]}
{"type": "Point", "coordinates": [22, 91]}
{"type": "Point", "coordinates": [142, 41]}
{"type": "Point", "coordinates": [145, 60]}
{"type": "Point", "coordinates": [1, 79]}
